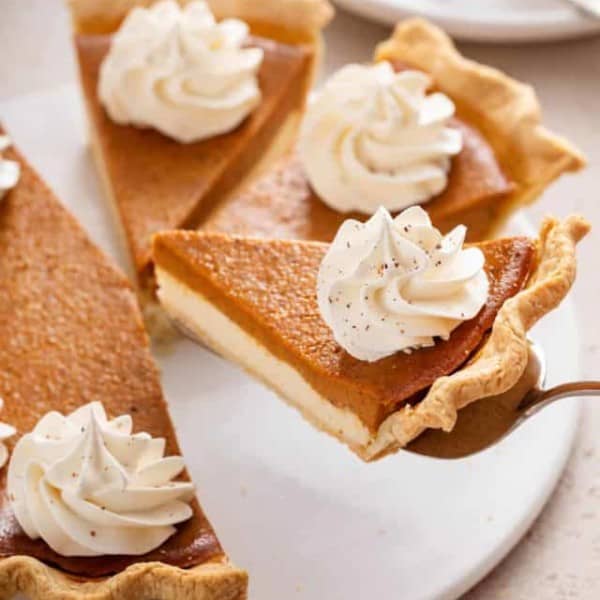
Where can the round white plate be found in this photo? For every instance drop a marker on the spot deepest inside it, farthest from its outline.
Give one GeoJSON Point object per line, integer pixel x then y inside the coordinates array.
{"type": "Point", "coordinates": [293, 506]}
{"type": "Point", "coordinates": [491, 21]}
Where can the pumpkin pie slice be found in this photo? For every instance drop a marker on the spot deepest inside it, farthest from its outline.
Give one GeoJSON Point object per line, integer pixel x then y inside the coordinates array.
{"type": "Point", "coordinates": [506, 160]}
{"type": "Point", "coordinates": [254, 301]}
{"type": "Point", "coordinates": [156, 182]}
{"type": "Point", "coordinates": [71, 333]}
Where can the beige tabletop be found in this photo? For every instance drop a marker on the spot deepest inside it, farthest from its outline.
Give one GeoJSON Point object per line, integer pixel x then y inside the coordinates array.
{"type": "Point", "coordinates": [560, 556]}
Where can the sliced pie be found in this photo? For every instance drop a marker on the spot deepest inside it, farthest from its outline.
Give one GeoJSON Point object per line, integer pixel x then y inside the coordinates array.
{"type": "Point", "coordinates": [254, 301]}
{"type": "Point", "coordinates": [507, 158]}
{"type": "Point", "coordinates": [71, 333]}
{"type": "Point", "coordinates": [156, 182]}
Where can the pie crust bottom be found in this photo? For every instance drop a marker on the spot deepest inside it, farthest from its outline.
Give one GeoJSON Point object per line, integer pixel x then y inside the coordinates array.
{"type": "Point", "coordinates": [141, 581]}
{"type": "Point", "coordinates": [496, 367]}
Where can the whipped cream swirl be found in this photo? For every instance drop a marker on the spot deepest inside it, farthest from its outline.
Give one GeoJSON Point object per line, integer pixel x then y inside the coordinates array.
{"type": "Point", "coordinates": [10, 170]}
{"type": "Point", "coordinates": [374, 138]}
{"type": "Point", "coordinates": [179, 71]}
{"type": "Point", "coordinates": [6, 431]}
{"type": "Point", "coordinates": [397, 284]}
{"type": "Point", "coordinates": [87, 486]}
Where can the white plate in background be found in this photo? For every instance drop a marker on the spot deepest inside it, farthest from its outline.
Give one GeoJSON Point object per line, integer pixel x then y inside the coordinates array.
{"type": "Point", "coordinates": [487, 21]}
{"type": "Point", "coordinates": [293, 506]}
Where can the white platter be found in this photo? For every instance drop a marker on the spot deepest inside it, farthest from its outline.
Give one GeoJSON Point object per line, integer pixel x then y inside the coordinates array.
{"type": "Point", "coordinates": [294, 507]}
{"type": "Point", "coordinates": [490, 21]}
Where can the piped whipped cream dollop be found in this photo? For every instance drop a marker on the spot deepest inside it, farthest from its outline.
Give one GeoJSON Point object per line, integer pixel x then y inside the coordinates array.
{"type": "Point", "coordinates": [6, 431]}
{"type": "Point", "coordinates": [398, 284]}
{"type": "Point", "coordinates": [179, 71]}
{"type": "Point", "coordinates": [374, 137]}
{"type": "Point", "coordinates": [87, 486]}
{"type": "Point", "coordinates": [10, 170]}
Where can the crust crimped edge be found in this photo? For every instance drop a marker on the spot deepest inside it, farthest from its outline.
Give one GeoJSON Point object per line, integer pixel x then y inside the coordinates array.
{"type": "Point", "coordinates": [294, 20]}
{"type": "Point", "coordinates": [506, 111]}
{"type": "Point", "coordinates": [503, 358]}
{"type": "Point", "coordinates": [142, 581]}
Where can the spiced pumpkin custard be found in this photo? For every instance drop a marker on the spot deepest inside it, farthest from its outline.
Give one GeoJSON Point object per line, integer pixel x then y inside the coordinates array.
{"type": "Point", "coordinates": [187, 101]}
{"type": "Point", "coordinates": [421, 125]}
{"type": "Point", "coordinates": [72, 335]}
{"type": "Point", "coordinates": [386, 332]}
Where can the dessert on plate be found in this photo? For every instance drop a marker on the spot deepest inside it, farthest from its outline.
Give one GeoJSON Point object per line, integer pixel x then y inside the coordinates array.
{"type": "Point", "coordinates": [420, 125]}
{"type": "Point", "coordinates": [184, 107]}
{"type": "Point", "coordinates": [386, 332]}
{"type": "Point", "coordinates": [95, 501]}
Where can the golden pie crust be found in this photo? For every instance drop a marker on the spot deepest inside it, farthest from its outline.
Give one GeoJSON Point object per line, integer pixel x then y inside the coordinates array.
{"type": "Point", "coordinates": [209, 581]}
{"type": "Point", "coordinates": [505, 110]}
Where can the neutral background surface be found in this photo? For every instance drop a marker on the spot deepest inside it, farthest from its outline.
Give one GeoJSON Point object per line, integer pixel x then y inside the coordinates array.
{"type": "Point", "coordinates": [560, 556]}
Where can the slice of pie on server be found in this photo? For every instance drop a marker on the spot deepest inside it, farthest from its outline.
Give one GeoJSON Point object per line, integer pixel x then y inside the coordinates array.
{"type": "Point", "coordinates": [254, 301]}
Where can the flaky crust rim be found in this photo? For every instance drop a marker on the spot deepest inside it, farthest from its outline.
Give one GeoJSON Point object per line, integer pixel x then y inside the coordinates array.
{"type": "Point", "coordinates": [303, 19]}
{"type": "Point", "coordinates": [142, 581]}
{"type": "Point", "coordinates": [505, 110]}
{"type": "Point", "coordinates": [503, 358]}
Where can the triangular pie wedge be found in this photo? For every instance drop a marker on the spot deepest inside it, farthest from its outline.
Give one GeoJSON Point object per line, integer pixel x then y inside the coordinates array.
{"type": "Point", "coordinates": [254, 301]}
{"type": "Point", "coordinates": [71, 333]}
{"type": "Point", "coordinates": [157, 183]}
{"type": "Point", "coordinates": [508, 157]}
